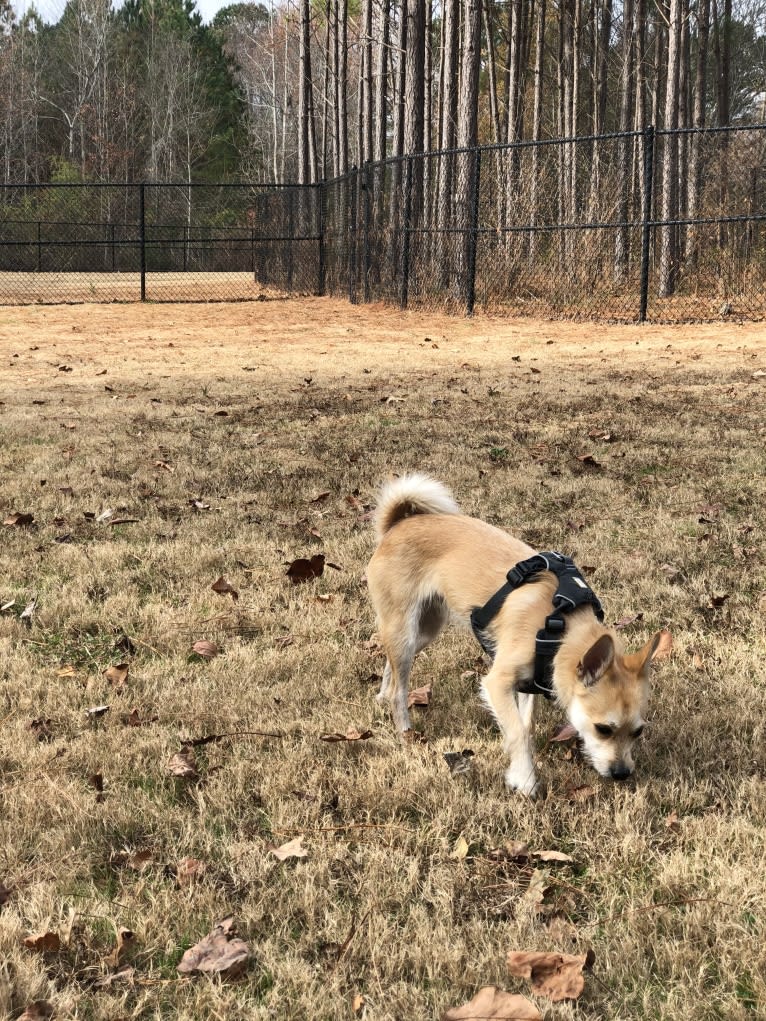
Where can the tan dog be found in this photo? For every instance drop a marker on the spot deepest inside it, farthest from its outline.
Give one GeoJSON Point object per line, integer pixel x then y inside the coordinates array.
{"type": "Point", "coordinates": [433, 563]}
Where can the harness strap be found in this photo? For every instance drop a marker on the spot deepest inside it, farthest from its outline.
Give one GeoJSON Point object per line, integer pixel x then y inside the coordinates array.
{"type": "Point", "coordinates": [572, 591]}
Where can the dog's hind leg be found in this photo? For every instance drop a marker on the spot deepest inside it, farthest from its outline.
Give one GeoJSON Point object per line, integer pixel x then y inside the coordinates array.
{"type": "Point", "coordinates": [415, 634]}
{"type": "Point", "coordinates": [514, 719]}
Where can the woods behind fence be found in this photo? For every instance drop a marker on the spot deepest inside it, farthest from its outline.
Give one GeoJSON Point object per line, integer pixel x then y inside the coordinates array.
{"type": "Point", "coordinates": [628, 226]}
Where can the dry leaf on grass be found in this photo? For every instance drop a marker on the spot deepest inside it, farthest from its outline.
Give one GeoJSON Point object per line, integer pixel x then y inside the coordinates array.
{"type": "Point", "coordinates": [125, 938]}
{"type": "Point", "coordinates": [588, 460]}
{"type": "Point", "coordinates": [301, 570]}
{"type": "Point", "coordinates": [184, 764]}
{"type": "Point", "coordinates": [420, 696]}
{"type": "Point", "coordinates": [219, 953]}
{"type": "Point", "coordinates": [672, 822]}
{"type": "Point", "coordinates": [459, 762]}
{"type": "Point", "coordinates": [117, 675]}
{"type": "Point", "coordinates": [292, 849]}
{"type": "Point", "coordinates": [357, 1003]}
{"type": "Point", "coordinates": [624, 622]}
{"type": "Point", "coordinates": [557, 976]}
{"type": "Point", "coordinates": [189, 871]}
{"type": "Point", "coordinates": [205, 649]}
{"type": "Point", "coordinates": [40, 1010]}
{"type": "Point", "coordinates": [493, 1003]}
{"type": "Point", "coordinates": [5, 894]}
{"type": "Point", "coordinates": [352, 734]}
{"type": "Point", "coordinates": [224, 588]}
{"type": "Point", "coordinates": [95, 712]}
{"type": "Point", "coordinates": [460, 851]}
{"type": "Point", "coordinates": [43, 942]}
{"type": "Point", "coordinates": [19, 520]}
{"type": "Point", "coordinates": [564, 732]}
{"type": "Point", "coordinates": [552, 856]}
{"type": "Point", "coordinates": [582, 792]}
{"type": "Point", "coordinates": [42, 729]}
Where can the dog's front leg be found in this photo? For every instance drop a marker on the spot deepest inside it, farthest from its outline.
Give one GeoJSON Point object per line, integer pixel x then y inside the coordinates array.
{"type": "Point", "coordinates": [499, 695]}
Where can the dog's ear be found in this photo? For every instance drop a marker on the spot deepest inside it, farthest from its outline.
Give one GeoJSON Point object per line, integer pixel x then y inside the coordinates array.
{"type": "Point", "coordinates": [596, 661]}
{"type": "Point", "coordinates": [639, 662]}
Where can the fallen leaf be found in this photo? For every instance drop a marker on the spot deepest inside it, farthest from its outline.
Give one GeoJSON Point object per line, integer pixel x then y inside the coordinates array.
{"type": "Point", "coordinates": [104, 516]}
{"type": "Point", "coordinates": [672, 822]}
{"type": "Point", "coordinates": [552, 856]}
{"type": "Point", "coordinates": [460, 851]}
{"type": "Point", "coordinates": [580, 793]}
{"type": "Point", "coordinates": [26, 613]}
{"type": "Point", "coordinates": [199, 505]}
{"type": "Point", "coordinates": [133, 719]}
{"type": "Point", "coordinates": [301, 570]}
{"type": "Point", "coordinates": [352, 734]}
{"type": "Point", "coordinates": [414, 737]}
{"type": "Point", "coordinates": [557, 976]}
{"type": "Point", "coordinates": [5, 894]}
{"type": "Point", "coordinates": [96, 781]}
{"type": "Point", "coordinates": [43, 942]}
{"type": "Point", "coordinates": [357, 1003]}
{"type": "Point", "coordinates": [565, 732]}
{"type": "Point", "coordinates": [664, 647]}
{"type": "Point", "coordinates": [320, 497]}
{"type": "Point", "coordinates": [184, 764]}
{"type": "Point", "coordinates": [7, 606]}
{"type": "Point", "coordinates": [537, 888]}
{"type": "Point", "coordinates": [41, 728]}
{"type": "Point", "coordinates": [459, 762]}
{"type": "Point", "coordinates": [97, 711]}
{"type": "Point", "coordinates": [697, 661]}
{"type": "Point", "coordinates": [292, 849]}
{"type": "Point", "coordinates": [420, 696]}
{"type": "Point", "coordinates": [718, 600]}
{"type": "Point", "coordinates": [66, 671]}
{"type": "Point", "coordinates": [189, 871]}
{"type": "Point", "coordinates": [225, 588]}
{"type": "Point", "coordinates": [125, 938]}
{"type": "Point", "coordinates": [205, 649]}
{"type": "Point", "coordinates": [492, 1002]}
{"type": "Point", "coordinates": [122, 521]}
{"type": "Point", "coordinates": [117, 675]}
{"type": "Point", "coordinates": [512, 850]}
{"type": "Point", "coordinates": [759, 374]}
{"type": "Point", "coordinates": [19, 520]}
{"type": "Point", "coordinates": [219, 953]}
{"type": "Point", "coordinates": [624, 622]}
{"type": "Point", "coordinates": [588, 460]}
{"type": "Point", "coordinates": [40, 1010]}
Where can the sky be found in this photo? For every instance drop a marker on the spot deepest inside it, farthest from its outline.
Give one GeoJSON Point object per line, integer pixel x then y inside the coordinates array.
{"type": "Point", "coordinates": [51, 9]}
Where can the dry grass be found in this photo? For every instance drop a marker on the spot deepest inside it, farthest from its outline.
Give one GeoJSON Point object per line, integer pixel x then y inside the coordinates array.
{"type": "Point", "coordinates": [319, 397]}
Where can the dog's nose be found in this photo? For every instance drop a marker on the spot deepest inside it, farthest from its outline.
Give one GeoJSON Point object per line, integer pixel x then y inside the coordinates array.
{"type": "Point", "coordinates": [620, 771]}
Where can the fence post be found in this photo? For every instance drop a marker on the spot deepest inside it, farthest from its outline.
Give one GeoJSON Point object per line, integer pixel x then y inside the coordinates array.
{"type": "Point", "coordinates": [39, 248]}
{"type": "Point", "coordinates": [405, 284]}
{"type": "Point", "coordinates": [114, 253]}
{"type": "Point", "coordinates": [646, 215]}
{"type": "Point", "coordinates": [473, 235]}
{"type": "Point", "coordinates": [322, 187]}
{"type": "Point", "coordinates": [367, 188]}
{"type": "Point", "coordinates": [353, 193]}
{"type": "Point", "coordinates": [291, 237]}
{"type": "Point", "coordinates": [142, 237]}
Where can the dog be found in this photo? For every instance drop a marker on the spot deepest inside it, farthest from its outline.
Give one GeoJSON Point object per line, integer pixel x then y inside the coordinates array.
{"type": "Point", "coordinates": [433, 563]}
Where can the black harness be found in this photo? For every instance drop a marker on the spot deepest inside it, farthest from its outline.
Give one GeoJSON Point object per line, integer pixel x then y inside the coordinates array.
{"type": "Point", "coordinates": [572, 591]}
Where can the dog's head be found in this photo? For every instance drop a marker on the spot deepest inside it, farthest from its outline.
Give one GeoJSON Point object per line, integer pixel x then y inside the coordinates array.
{"type": "Point", "coordinates": [608, 704]}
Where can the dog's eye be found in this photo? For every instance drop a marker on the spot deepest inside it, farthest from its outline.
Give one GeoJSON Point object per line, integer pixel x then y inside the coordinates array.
{"type": "Point", "coordinates": [638, 731]}
{"type": "Point", "coordinates": [604, 729]}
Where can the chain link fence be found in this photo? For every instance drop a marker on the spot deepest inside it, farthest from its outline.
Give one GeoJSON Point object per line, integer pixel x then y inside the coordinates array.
{"type": "Point", "coordinates": [649, 225]}
{"type": "Point", "coordinates": [156, 242]}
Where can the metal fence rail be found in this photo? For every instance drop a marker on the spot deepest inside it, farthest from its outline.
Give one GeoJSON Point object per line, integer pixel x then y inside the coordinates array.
{"type": "Point", "coordinates": [650, 225]}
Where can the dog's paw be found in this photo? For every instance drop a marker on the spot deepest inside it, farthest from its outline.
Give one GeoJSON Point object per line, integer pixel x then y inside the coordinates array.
{"type": "Point", "coordinates": [522, 780]}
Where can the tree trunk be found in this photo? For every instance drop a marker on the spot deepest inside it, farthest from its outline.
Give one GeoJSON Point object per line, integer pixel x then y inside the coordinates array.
{"type": "Point", "coordinates": [623, 148]}
{"type": "Point", "coordinates": [668, 233]}
{"type": "Point", "coordinates": [467, 131]}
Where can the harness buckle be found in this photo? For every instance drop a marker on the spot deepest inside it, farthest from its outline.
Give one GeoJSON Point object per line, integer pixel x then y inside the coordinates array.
{"type": "Point", "coordinates": [555, 624]}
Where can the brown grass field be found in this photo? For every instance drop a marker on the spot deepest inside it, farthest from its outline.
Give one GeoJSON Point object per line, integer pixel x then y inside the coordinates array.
{"type": "Point", "coordinates": [235, 438]}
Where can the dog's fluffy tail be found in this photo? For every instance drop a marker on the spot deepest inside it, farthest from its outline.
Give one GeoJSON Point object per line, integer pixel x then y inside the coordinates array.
{"type": "Point", "coordinates": [411, 494]}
